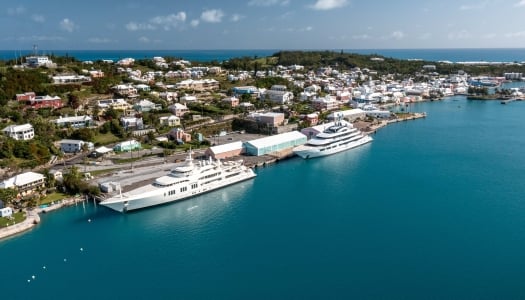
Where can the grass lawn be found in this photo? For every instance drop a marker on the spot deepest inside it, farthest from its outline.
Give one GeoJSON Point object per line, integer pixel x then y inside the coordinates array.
{"type": "Point", "coordinates": [18, 217]}
{"type": "Point", "coordinates": [104, 139]}
{"type": "Point", "coordinates": [53, 197]}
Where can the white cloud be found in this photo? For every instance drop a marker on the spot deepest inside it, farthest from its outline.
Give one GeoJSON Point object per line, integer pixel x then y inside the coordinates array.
{"type": "Point", "coordinates": [143, 39]}
{"type": "Point", "coordinates": [480, 5]}
{"type": "Point", "coordinates": [520, 4]}
{"type": "Point", "coordinates": [519, 34]}
{"type": "Point", "coordinates": [97, 40]}
{"type": "Point", "coordinates": [133, 26]}
{"type": "Point", "coordinates": [38, 18]}
{"type": "Point", "coordinates": [194, 23]}
{"type": "Point", "coordinates": [212, 16]}
{"type": "Point", "coordinates": [167, 22]}
{"type": "Point", "coordinates": [67, 25]}
{"type": "Point", "coordinates": [170, 21]}
{"type": "Point", "coordinates": [268, 2]}
{"type": "Point", "coordinates": [459, 35]}
{"type": "Point", "coordinates": [397, 35]}
{"type": "Point", "coordinates": [328, 4]}
{"type": "Point", "coordinates": [14, 11]}
{"type": "Point", "coordinates": [236, 17]}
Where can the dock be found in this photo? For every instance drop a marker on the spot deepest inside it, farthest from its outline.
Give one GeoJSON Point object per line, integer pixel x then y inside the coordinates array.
{"type": "Point", "coordinates": [508, 101]}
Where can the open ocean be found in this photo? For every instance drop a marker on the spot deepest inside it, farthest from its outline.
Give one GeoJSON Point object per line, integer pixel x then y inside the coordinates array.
{"type": "Point", "coordinates": [431, 209]}
{"type": "Point", "coordinates": [453, 55]}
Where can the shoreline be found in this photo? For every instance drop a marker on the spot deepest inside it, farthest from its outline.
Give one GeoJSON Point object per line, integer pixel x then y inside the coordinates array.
{"type": "Point", "coordinates": [33, 218]}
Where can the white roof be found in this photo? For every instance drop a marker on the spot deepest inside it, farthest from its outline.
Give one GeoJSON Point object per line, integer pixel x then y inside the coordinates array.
{"type": "Point", "coordinates": [22, 179]}
{"type": "Point", "coordinates": [103, 150]}
{"type": "Point", "coordinates": [16, 128]}
{"type": "Point", "coordinates": [226, 147]}
{"type": "Point", "coordinates": [346, 113]}
{"type": "Point", "coordinates": [277, 139]}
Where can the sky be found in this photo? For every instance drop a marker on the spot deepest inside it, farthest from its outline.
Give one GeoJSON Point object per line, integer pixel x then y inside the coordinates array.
{"type": "Point", "coordinates": [261, 24]}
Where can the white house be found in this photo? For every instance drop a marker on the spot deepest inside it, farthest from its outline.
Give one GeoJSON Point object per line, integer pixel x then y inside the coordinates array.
{"type": "Point", "coordinates": [132, 122]}
{"type": "Point", "coordinates": [74, 122]}
{"type": "Point", "coordinates": [20, 132]}
{"type": "Point", "coordinates": [25, 183]}
{"type": "Point", "coordinates": [178, 109]}
{"type": "Point", "coordinates": [170, 120]}
{"type": "Point", "coordinates": [74, 146]}
{"type": "Point", "coordinates": [6, 212]}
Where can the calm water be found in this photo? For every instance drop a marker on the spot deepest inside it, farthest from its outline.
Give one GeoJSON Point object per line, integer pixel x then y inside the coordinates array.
{"type": "Point", "coordinates": [431, 209]}
{"type": "Point", "coordinates": [454, 55]}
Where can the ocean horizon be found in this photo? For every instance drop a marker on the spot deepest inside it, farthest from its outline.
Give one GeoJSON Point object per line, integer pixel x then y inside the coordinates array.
{"type": "Point", "coordinates": [430, 54]}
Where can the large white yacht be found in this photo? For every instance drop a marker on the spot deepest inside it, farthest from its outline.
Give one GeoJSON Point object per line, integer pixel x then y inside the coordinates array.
{"type": "Point", "coordinates": [189, 179]}
{"type": "Point", "coordinates": [336, 137]}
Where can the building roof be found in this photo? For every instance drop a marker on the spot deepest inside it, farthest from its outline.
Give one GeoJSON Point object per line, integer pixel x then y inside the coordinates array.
{"type": "Point", "coordinates": [226, 147]}
{"type": "Point", "coordinates": [66, 141]}
{"type": "Point", "coordinates": [21, 179]}
{"type": "Point", "coordinates": [16, 128]}
{"type": "Point", "coordinates": [277, 139]}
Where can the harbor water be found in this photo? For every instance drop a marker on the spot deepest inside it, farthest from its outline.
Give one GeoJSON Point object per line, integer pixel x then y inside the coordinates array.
{"type": "Point", "coordinates": [431, 209]}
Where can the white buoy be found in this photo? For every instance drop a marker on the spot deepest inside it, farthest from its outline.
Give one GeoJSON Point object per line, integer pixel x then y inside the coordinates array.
{"type": "Point", "coordinates": [81, 249]}
{"type": "Point", "coordinates": [44, 267]}
{"type": "Point", "coordinates": [33, 277]}
{"type": "Point", "coordinates": [65, 259]}
{"type": "Point", "coordinates": [89, 220]}
{"type": "Point", "coordinates": [28, 280]}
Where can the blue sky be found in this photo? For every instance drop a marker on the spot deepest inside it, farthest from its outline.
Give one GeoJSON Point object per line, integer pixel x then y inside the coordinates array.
{"type": "Point", "coordinates": [262, 24]}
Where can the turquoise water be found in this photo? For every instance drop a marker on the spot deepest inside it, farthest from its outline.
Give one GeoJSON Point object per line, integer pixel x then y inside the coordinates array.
{"type": "Point", "coordinates": [454, 55]}
{"type": "Point", "coordinates": [431, 209]}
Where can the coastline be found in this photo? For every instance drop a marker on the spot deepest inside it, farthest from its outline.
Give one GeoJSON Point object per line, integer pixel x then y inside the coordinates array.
{"type": "Point", "coordinates": [33, 218]}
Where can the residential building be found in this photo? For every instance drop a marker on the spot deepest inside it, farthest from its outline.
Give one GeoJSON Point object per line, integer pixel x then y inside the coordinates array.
{"type": "Point", "coordinates": [178, 109]}
{"type": "Point", "coordinates": [37, 102]}
{"type": "Point", "coordinates": [246, 90]}
{"type": "Point", "coordinates": [179, 135]}
{"type": "Point", "coordinates": [74, 122]}
{"type": "Point", "coordinates": [325, 103]}
{"type": "Point", "coordinates": [146, 105]}
{"type": "Point", "coordinates": [231, 101]}
{"type": "Point", "coordinates": [127, 146]}
{"type": "Point", "coordinates": [132, 122]}
{"type": "Point", "coordinates": [74, 146]}
{"type": "Point", "coordinates": [20, 132]}
{"type": "Point", "coordinates": [279, 96]}
{"type": "Point", "coordinates": [24, 183]}
{"type": "Point", "coordinates": [270, 119]}
{"type": "Point", "coordinates": [170, 121]}
{"type": "Point", "coordinates": [38, 61]}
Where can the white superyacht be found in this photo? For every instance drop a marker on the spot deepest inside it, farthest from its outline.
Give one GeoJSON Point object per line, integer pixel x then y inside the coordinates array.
{"type": "Point", "coordinates": [337, 137]}
{"type": "Point", "coordinates": [184, 181]}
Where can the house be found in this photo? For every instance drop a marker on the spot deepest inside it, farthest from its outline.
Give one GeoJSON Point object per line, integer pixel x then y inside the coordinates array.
{"type": "Point", "coordinates": [178, 109]}
{"type": "Point", "coordinates": [38, 61]}
{"type": "Point", "coordinates": [145, 106]}
{"type": "Point", "coordinates": [170, 121]}
{"type": "Point", "coordinates": [74, 146]}
{"type": "Point", "coordinates": [270, 119]}
{"type": "Point", "coordinates": [25, 183]}
{"type": "Point", "coordinates": [20, 132]}
{"type": "Point", "coordinates": [117, 104]}
{"type": "Point", "coordinates": [57, 174]}
{"type": "Point", "coordinates": [74, 122]}
{"type": "Point", "coordinates": [179, 135]}
{"type": "Point", "coordinates": [325, 103]}
{"type": "Point", "coordinates": [231, 101]}
{"type": "Point", "coordinates": [246, 90]}
{"type": "Point", "coordinates": [279, 96]}
{"type": "Point", "coordinates": [37, 102]}
{"type": "Point", "coordinates": [6, 212]}
{"type": "Point", "coordinates": [127, 146]}
{"type": "Point", "coordinates": [64, 79]}
{"type": "Point", "coordinates": [125, 90]}
{"type": "Point", "coordinates": [132, 122]}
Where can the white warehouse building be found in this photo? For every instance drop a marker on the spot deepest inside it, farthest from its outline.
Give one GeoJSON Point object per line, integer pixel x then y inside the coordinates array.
{"type": "Point", "coordinates": [274, 143]}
